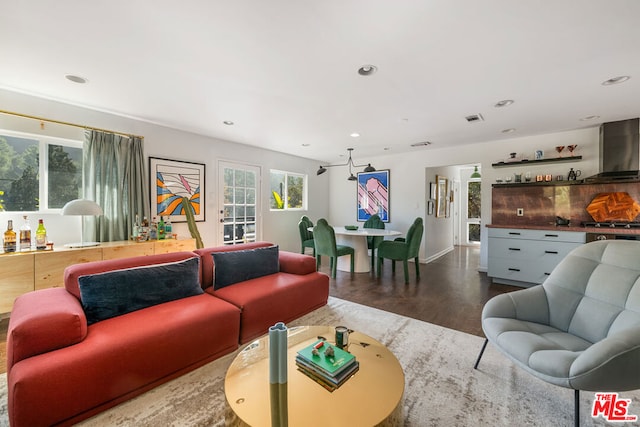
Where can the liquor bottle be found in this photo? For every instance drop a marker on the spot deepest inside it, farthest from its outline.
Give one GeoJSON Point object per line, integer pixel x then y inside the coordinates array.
{"type": "Point", "coordinates": [10, 238]}
{"type": "Point", "coordinates": [136, 229]}
{"type": "Point", "coordinates": [153, 229]}
{"type": "Point", "coordinates": [41, 236]}
{"type": "Point", "coordinates": [161, 229]}
{"type": "Point", "coordinates": [25, 235]}
{"type": "Point", "coordinates": [168, 229]}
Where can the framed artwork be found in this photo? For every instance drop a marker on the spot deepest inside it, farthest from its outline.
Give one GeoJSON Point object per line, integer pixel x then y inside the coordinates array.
{"type": "Point", "coordinates": [442, 196]}
{"type": "Point", "coordinates": [539, 155]}
{"type": "Point", "coordinates": [373, 195]}
{"type": "Point", "coordinates": [171, 180]}
{"type": "Point", "coordinates": [433, 190]}
{"type": "Point", "coordinates": [430, 207]}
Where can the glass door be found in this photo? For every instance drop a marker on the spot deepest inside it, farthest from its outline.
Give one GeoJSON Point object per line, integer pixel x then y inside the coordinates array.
{"type": "Point", "coordinates": [239, 193]}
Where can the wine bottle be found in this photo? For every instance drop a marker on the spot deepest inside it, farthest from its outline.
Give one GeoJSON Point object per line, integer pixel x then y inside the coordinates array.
{"type": "Point", "coordinates": [10, 238]}
{"type": "Point", "coordinates": [25, 235]}
{"type": "Point", "coordinates": [41, 236]}
{"type": "Point", "coordinates": [136, 229]}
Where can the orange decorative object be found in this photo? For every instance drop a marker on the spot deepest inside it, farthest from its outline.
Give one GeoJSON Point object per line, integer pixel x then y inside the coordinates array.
{"type": "Point", "coordinates": [618, 206]}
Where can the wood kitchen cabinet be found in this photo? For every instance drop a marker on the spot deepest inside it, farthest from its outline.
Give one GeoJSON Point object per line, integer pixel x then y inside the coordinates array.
{"type": "Point", "coordinates": [24, 272]}
{"type": "Point", "coordinates": [525, 257]}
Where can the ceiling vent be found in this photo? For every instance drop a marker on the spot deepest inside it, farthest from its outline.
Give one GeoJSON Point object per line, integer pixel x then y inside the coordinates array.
{"type": "Point", "coordinates": [420, 144]}
{"type": "Point", "coordinates": [475, 118]}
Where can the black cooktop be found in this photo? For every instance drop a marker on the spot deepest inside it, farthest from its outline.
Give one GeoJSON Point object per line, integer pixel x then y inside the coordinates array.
{"type": "Point", "coordinates": [607, 224]}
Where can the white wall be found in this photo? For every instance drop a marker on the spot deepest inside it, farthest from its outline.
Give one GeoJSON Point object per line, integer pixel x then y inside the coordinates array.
{"type": "Point", "coordinates": [409, 186]}
{"type": "Point", "coordinates": [277, 226]}
{"type": "Point", "coordinates": [332, 196]}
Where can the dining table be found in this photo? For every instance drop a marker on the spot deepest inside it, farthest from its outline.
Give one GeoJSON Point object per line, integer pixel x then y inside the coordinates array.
{"type": "Point", "coordinates": [357, 239]}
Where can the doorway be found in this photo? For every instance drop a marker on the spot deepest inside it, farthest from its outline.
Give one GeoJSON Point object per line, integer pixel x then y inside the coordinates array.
{"type": "Point", "coordinates": [238, 193]}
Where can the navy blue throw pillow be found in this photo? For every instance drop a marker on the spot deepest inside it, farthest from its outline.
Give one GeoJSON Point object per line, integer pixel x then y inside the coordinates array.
{"type": "Point", "coordinates": [113, 293]}
{"type": "Point", "coordinates": [238, 266]}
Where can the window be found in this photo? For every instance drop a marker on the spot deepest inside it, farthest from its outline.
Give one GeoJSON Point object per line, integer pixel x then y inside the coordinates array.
{"type": "Point", "coordinates": [29, 184]}
{"type": "Point", "coordinates": [288, 190]}
{"type": "Point", "coordinates": [474, 205]}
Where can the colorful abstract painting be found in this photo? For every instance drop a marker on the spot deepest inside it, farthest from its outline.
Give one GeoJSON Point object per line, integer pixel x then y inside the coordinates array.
{"type": "Point", "coordinates": [171, 181]}
{"type": "Point", "coordinates": [373, 195]}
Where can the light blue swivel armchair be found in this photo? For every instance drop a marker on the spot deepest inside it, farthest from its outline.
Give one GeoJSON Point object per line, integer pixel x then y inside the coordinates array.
{"type": "Point", "coordinates": [580, 329]}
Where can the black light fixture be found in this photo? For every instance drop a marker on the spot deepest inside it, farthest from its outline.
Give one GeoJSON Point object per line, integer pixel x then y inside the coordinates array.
{"type": "Point", "coordinates": [367, 167]}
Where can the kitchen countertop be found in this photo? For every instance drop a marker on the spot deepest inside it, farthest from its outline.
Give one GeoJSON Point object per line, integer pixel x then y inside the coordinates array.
{"type": "Point", "coordinates": [599, 230]}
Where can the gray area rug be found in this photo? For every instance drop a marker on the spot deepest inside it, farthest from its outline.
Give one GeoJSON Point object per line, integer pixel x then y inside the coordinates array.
{"type": "Point", "coordinates": [442, 388]}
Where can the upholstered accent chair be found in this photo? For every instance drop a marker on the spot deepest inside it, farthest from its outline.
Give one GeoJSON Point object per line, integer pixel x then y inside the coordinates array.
{"type": "Point", "coordinates": [403, 249]}
{"type": "Point", "coordinates": [306, 236]}
{"type": "Point", "coordinates": [580, 329]}
{"type": "Point", "coordinates": [373, 242]}
{"type": "Point", "coordinates": [325, 240]}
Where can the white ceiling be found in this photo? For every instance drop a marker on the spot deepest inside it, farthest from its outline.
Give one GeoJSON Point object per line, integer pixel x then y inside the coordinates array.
{"type": "Point", "coordinates": [285, 71]}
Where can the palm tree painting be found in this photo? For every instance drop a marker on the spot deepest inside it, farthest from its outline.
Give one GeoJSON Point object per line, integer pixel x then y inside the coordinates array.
{"type": "Point", "coordinates": [174, 180]}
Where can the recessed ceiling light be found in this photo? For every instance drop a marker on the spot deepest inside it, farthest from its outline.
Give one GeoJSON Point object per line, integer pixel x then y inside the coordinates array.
{"type": "Point", "coordinates": [386, 148]}
{"type": "Point", "coordinates": [228, 122]}
{"type": "Point", "coordinates": [421, 144]}
{"type": "Point", "coordinates": [503, 103]}
{"type": "Point", "coordinates": [306, 144]}
{"type": "Point", "coordinates": [508, 130]}
{"type": "Point", "coordinates": [615, 80]}
{"type": "Point", "coordinates": [587, 118]}
{"type": "Point", "coordinates": [76, 79]}
{"type": "Point", "coordinates": [355, 135]}
{"type": "Point", "coordinates": [367, 70]}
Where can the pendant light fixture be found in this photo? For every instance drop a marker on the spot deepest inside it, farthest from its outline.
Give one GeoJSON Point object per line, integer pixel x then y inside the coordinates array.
{"type": "Point", "coordinates": [475, 173]}
{"type": "Point", "coordinates": [367, 167]}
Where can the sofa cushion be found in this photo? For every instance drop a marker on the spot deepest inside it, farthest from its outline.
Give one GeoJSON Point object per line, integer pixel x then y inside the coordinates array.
{"type": "Point", "coordinates": [113, 293]}
{"type": "Point", "coordinates": [239, 266]}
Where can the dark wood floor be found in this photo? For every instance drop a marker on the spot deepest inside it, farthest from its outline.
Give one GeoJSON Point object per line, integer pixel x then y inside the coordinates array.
{"type": "Point", "coordinates": [450, 292]}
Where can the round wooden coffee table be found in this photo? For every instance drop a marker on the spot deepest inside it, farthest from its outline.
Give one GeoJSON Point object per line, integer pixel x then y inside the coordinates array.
{"type": "Point", "coordinates": [373, 396]}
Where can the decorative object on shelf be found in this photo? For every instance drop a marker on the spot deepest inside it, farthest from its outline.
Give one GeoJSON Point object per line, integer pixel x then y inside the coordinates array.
{"type": "Point", "coordinates": [517, 177]}
{"type": "Point", "coordinates": [507, 179]}
{"type": "Point", "coordinates": [539, 178]}
{"type": "Point", "coordinates": [171, 180]}
{"type": "Point", "coordinates": [373, 195]}
{"type": "Point", "coordinates": [562, 221]}
{"type": "Point", "coordinates": [573, 175]}
{"type": "Point", "coordinates": [571, 148]}
{"type": "Point", "coordinates": [278, 374]}
{"type": "Point", "coordinates": [559, 149]}
{"type": "Point", "coordinates": [476, 173]}
{"type": "Point", "coordinates": [367, 167]}
{"type": "Point", "coordinates": [527, 177]}
{"type": "Point", "coordinates": [559, 177]}
{"type": "Point", "coordinates": [82, 207]}
{"type": "Point", "coordinates": [539, 155]}
{"type": "Point", "coordinates": [512, 157]}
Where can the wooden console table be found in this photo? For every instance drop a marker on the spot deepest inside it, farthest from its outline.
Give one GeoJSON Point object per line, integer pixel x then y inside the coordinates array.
{"type": "Point", "coordinates": [24, 272]}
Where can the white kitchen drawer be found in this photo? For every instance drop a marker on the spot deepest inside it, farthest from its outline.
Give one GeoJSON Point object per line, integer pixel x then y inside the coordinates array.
{"type": "Point", "coordinates": [545, 235]}
{"type": "Point", "coordinates": [533, 250]}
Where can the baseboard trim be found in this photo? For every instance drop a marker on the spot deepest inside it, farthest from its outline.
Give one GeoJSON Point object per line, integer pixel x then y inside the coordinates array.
{"type": "Point", "coordinates": [438, 255]}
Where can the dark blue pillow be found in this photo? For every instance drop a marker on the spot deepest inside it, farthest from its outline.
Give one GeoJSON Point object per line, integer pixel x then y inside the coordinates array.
{"type": "Point", "coordinates": [113, 293]}
{"type": "Point", "coordinates": [238, 266]}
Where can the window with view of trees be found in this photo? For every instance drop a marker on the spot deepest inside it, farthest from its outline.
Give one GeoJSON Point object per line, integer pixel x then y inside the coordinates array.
{"type": "Point", "coordinates": [38, 173]}
{"type": "Point", "coordinates": [288, 190]}
{"type": "Point", "coordinates": [474, 206]}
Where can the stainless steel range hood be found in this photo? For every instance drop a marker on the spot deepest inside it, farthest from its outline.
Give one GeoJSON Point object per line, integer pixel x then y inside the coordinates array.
{"type": "Point", "coordinates": [619, 152]}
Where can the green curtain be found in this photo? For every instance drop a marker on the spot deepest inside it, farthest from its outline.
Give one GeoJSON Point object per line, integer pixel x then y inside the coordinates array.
{"type": "Point", "coordinates": [114, 177]}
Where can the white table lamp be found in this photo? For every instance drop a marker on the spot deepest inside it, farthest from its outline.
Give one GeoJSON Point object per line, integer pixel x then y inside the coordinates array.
{"type": "Point", "coordinates": [82, 207]}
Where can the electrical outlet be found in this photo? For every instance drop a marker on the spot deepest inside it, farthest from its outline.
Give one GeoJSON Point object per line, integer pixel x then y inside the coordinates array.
{"type": "Point", "coordinates": [520, 212]}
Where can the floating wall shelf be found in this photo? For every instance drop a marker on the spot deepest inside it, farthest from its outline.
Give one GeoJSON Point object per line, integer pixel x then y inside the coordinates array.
{"type": "Point", "coordinates": [535, 162]}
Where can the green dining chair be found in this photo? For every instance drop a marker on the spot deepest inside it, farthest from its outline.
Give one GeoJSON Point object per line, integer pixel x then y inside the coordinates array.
{"type": "Point", "coordinates": [402, 249]}
{"type": "Point", "coordinates": [306, 236]}
{"type": "Point", "coordinates": [325, 242]}
{"type": "Point", "coordinates": [373, 242]}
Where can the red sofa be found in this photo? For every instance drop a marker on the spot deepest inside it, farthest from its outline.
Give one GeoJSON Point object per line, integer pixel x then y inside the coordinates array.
{"type": "Point", "coordinates": [61, 370]}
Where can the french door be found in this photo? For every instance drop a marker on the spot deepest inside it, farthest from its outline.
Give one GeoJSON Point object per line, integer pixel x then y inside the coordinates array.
{"type": "Point", "coordinates": [239, 198]}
